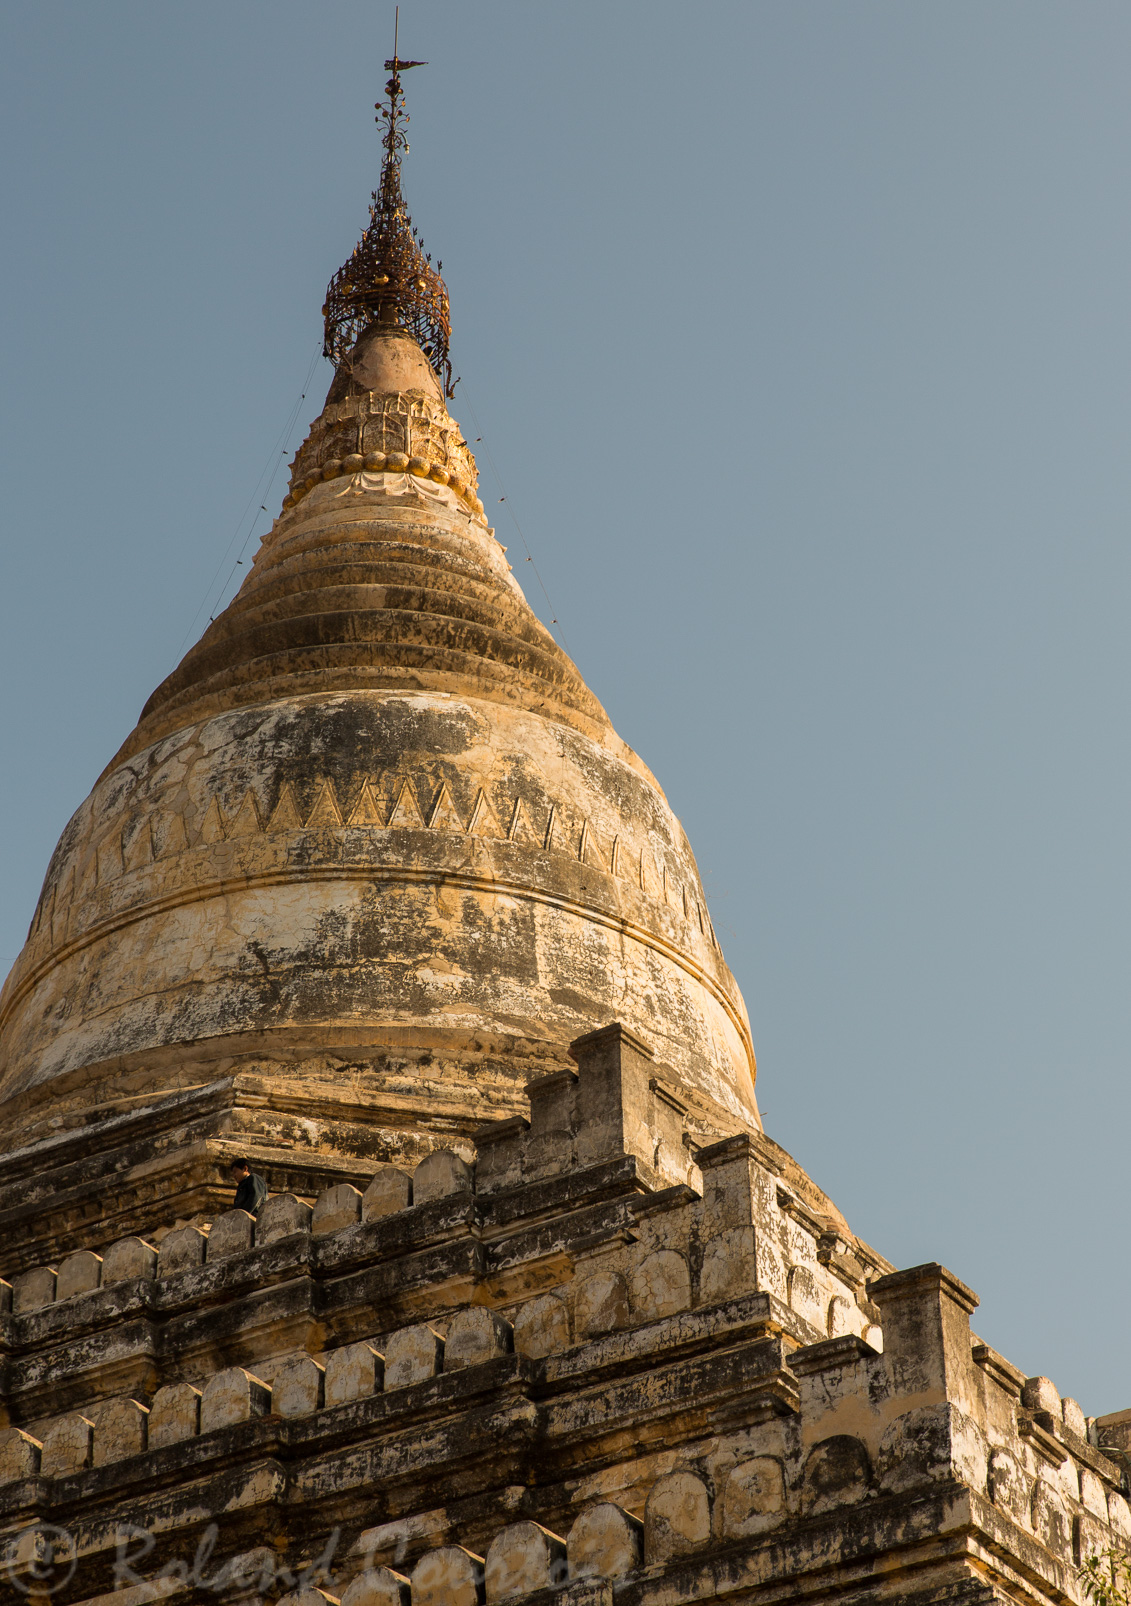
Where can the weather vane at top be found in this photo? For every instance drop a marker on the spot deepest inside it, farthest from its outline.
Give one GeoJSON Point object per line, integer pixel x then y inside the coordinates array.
{"type": "Point", "coordinates": [396, 64]}
{"type": "Point", "coordinates": [394, 114]}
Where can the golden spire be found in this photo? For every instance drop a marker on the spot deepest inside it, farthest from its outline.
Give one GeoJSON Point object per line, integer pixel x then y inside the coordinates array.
{"type": "Point", "coordinates": [389, 279]}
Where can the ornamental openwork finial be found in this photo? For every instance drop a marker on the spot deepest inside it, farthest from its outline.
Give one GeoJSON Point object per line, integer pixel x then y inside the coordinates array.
{"type": "Point", "coordinates": [389, 280]}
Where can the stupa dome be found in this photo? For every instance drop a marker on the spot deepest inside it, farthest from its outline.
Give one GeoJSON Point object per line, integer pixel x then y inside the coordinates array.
{"type": "Point", "coordinates": [374, 839]}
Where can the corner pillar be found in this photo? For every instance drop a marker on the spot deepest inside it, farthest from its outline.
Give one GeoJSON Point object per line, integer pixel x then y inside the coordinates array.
{"type": "Point", "coordinates": [926, 1314]}
{"type": "Point", "coordinates": [614, 1100]}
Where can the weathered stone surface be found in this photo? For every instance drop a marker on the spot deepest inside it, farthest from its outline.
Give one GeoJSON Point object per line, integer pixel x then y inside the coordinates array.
{"type": "Point", "coordinates": [411, 1356]}
{"type": "Point", "coordinates": [251, 1572]}
{"type": "Point", "coordinates": [605, 1542]}
{"type": "Point", "coordinates": [120, 1430]}
{"type": "Point", "coordinates": [837, 1473]}
{"type": "Point", "coordinates": [336, 1208]}
{"type": "Point", "coordinates": [842, 1316]}
{"type": "Point", "coordinates": [174, 1415]}
{"type": "Point", "coordinates": [600, 1303]}
{"type": "Point", "coordinates": [753, 1498]}
{"type": "Point", "coordinates": [378, 1586]}
{"type": "Point", "coordinates": [297, 1387]}
{"type": "Point", "coordinates": [231, 1234]}
{"type": "Point", "coordinates": [389, 1191]}
{"type": "Point", "coordinates": [1093, 1495]}
{"type": "Point", "coordinates": [33, 1289]}
{"type": "Point", "coordinates": [67, 1446]}
{"type": "Point", "coordinates": [541, 1326]}
{"type": "Point", "coordinates": [1040, 1394]}
{"type": "Point", "coordinates": [1008, 1485]}
{"type": "Point", "coordinates": [522, 1558]}
{"type": "Point", "coordinates": [807, 1297]}
{"type": "Point", "coordinates": [19, 1455]}
{"type": "Point", "coordinates": [1119, 1516]}
{"type": "Point", "coordinates": [181, 1250]}
{"type": "Point", "coordinates": [661, 1285]}
{"type": "Point", "coordinates": [917, 1447]}
{"type": "Point", "coordinates": [447, 1576]}
{"type": "Point", "coordinates": [677, 1517]}
{"type": "Point", "coordinates": [40, 1554]}
{"type": "Point", "coordinates": [308, 1595]}
{"type": "Point", "coordinates": [442, 1173]}
{"type": "Point", "coordinates": [1112, 1430]}
{"type": "Point", "coordinates": [729, 1265]}
{"type": "Point", "coordinates": [476, 1335]}
{"type": "Point", "coordinates": [280, 1217]}
{"type": "Point", "coordinates": [745, 1394]}
{"type": "Point", "coordinates": [233, 1395]}
{"type": "Point", "coordinates": [78, 1274]}
{"type": "Point", "coordinates": [1074, 1419]}
{"type": "Point", "coordinates": [129, 1257]}
{"type": "Point", "coordinates": [621, 1106]}
{"type": "Point", "coordinates": [353, 1373]}
{"type": "Point", "coordinates": [1050, 1520]}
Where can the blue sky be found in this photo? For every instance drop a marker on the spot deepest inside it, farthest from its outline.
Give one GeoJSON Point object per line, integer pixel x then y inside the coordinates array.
{"type": "Point", "coordinates": [799, 337]}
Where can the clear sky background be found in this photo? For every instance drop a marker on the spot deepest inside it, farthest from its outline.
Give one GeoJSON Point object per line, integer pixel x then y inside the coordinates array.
{"type": "Point", "coordinates": [799, 335]}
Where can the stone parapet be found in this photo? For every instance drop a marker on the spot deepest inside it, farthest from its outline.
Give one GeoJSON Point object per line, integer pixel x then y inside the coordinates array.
{"type": "Point", "coordinates": [566, 1368]}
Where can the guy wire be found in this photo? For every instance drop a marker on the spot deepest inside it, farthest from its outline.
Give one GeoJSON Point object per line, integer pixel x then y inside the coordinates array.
{"type": "Point", "coordinates": [481, 441]}
{"type": "Point", "coordinates": [260, 495]}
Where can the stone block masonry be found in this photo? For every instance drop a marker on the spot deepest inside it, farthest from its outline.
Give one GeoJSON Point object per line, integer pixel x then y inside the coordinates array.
{"type": "Point", "coordinates": [553, 1371]}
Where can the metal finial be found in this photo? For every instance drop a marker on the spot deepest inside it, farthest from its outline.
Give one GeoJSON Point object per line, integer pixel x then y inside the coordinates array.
{"type": "Point", "coordinates": [389, 279]}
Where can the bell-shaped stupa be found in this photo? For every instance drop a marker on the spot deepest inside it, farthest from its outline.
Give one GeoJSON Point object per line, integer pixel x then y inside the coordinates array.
{"type": "Point", "coordinates": [374, 842]}
{"type": "Point", "coordinates": [375, 898]}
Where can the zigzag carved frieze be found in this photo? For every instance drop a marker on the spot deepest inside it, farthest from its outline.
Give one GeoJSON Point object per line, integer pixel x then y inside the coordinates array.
{"type": "Point", "coordinates": [402, 804]}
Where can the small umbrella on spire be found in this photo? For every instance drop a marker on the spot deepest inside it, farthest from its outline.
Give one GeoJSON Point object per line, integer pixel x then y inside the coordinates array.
{"type": "Point", "coordinates": [389, 278]}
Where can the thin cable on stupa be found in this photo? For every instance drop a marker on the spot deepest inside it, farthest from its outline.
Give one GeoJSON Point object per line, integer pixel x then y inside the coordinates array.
{"type": "Point", "coordinates": [480, 440]}
{"type": "Point", "coordinates": [270, 469]}
{"type": "Point", "coordinates": [389, 278]}
{"type": "Point", "coordinates": [279, 460]}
